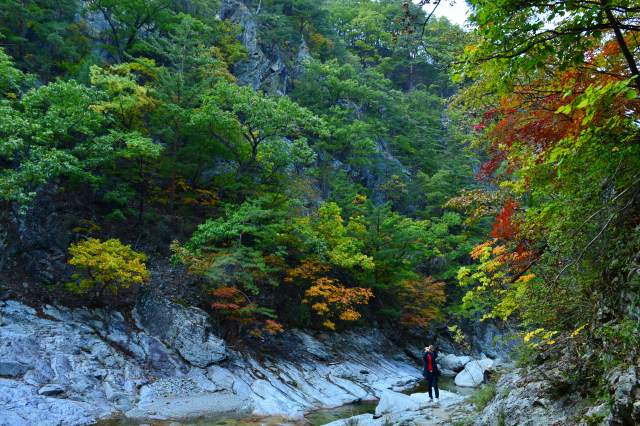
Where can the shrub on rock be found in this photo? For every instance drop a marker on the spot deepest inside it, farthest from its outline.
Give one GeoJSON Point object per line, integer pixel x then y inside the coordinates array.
{"type": "Point", "coordinates": [109, 265]}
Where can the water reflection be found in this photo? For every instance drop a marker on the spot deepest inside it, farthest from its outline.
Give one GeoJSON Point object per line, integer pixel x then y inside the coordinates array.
{"type": "Point", "coordinates": [216, 421]}
{"type": "Point", "coordinates": [317, 418]}
{"type": "Point", "coordinates": [327, 415]}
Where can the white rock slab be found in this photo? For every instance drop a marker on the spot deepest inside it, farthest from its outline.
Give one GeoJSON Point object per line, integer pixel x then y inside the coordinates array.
{"type": "Point", "coordinates": [391, 402]}
{"type": "Point", "coordinates": [472, 375]}
{"type": "Point", "coordinates": [446, 398]}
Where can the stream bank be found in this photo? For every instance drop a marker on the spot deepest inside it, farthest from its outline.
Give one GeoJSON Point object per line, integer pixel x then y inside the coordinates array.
{"type": "Point", "coordinates": [75, 367]}
{"type": "Point", "coordinates": [392, 408]}
{"type": "Point", "coordinates": [320, 417]}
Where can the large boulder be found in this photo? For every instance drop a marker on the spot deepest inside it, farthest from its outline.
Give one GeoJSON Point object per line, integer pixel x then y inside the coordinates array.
{"type": "Point", "coordinates": [186, 329]}
{"type": "Point", "coordinates": [446, 398]}
{"type": "Point", "coordinates": [451, 362]}
{"type": "Point", "coordinates": [523, 398]}
{"type": "Point", "coordinates": [464, 360]}
{"type": "Point", "coordinates": [490, 340]}
{"type": "Point", "coordinates": [472, 375]}
{"type": "Point", "coordinates": [391, 402]}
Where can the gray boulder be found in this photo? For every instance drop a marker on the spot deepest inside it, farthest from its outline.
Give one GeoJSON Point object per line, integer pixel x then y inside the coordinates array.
{"type": "Point", "coordinates": [18, 404]}
{"type": "Point", "coordinates": [12, 368]}
{"type": "Point", "coordinates": [187, 329]}
{"type": "Point", "coordinates": [524, 399]}
{"type": "Point", "coordinates": [451, 362]}
{"type": "Point", "coordinates": [50, 390]}
{"type": "Point", "coordinates": [391, 402]}
{"type": "Point", "coordinates": [40, 374]}
{"type": "Point", "coordinates": [472, 375]}
{"type": "Point", "coordinates": [311, 345]}
{"type": "Point", "coordinates": [465, 359]}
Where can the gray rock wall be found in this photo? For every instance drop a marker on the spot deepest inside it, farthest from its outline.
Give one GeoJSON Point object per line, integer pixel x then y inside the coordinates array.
{"type": "Point", "coordinates": [273, 71]}
{"type": "Point", "coordinates": [39, 240]}
{"type": "Point", "coordinates": [186, 329]}
{"type": "Point", "coordinates": [71, 367]}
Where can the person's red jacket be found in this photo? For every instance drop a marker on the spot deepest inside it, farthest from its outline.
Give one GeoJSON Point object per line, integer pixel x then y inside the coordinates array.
{"type": "Point", "coordinates": [434, 356]}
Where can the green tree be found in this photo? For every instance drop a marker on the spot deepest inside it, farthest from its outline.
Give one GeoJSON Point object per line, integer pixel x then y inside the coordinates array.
{"type": "Point", "coordinates": [522, 35]}
{"type": "Point", "coordinates": [244, 122]}
{"type": "Point", "coordinates": [43, 36]}
{"type": "Point", "coordinates": [191, 65]}
{"type": "Point", "coordinates": [127, 20]}
{"type": "Point", "coordinates": [229, 251]}
{"type": "Point", "coordinates": [289, 21]}
{"type": "Point", "coordinates": [562, 170]}
{"type": "Point", "coordinates": [390, 239]}
{"type": "Point", "coordinates": [49, 131]}
{"type": "Point", "coordinates": [135, 156]}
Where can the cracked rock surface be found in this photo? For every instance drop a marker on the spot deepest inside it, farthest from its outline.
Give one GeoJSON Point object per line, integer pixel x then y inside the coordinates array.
{"type": "Point", "coordinates": [73, 367]}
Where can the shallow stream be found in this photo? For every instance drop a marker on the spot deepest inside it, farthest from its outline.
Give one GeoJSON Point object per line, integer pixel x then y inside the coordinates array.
{"type": "Point", "coordinates": [316, 418]}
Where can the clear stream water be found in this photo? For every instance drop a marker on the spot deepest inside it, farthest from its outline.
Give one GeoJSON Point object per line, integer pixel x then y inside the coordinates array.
{"type": "Point", "coordinates": [317, 418]}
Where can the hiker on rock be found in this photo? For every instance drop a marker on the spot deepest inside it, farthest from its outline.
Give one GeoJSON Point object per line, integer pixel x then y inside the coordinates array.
{"type": "Point", "coordinates": [487, 375]}
{"type": "Point", "coordinates": [431, 371]}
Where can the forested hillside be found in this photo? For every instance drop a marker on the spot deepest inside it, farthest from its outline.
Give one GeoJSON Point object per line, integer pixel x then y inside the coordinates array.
{"type": "Point", "coordinates": [331, 163]}
{"type": "Point", "coordinates": [324, 205]}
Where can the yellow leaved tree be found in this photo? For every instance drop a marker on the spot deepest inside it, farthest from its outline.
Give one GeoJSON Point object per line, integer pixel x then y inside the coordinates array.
{"type": "Point", "coordinates": [108, 264]}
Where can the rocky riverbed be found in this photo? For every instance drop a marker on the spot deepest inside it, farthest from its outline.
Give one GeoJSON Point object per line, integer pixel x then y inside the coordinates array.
{"type": "Point", "coordinates": [74, 367]}
{"type": "Point", "coordinates": [393, 408]}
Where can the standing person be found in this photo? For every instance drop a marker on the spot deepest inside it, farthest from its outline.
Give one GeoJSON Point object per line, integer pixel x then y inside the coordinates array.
{"type": "Point", "coordinates": [431, 371]}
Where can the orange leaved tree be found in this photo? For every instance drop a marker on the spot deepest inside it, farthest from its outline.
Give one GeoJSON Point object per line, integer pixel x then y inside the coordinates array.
{"type": "Point", "coordinates": [232, 305]}
{"type": "Point", "coordinates": [334, 299]}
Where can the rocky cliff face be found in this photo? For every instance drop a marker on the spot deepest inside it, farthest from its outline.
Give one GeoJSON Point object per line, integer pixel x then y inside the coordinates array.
{"type": "Point", "coordinates": [273, 70]}
{"type": "Point", "coordinates": [36, 241]}
{"type": "Point", "coordinates": [71, 367]}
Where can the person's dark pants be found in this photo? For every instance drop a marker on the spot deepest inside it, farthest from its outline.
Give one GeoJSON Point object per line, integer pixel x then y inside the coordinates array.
{"type": "Point", "coordinates": [432, 380]}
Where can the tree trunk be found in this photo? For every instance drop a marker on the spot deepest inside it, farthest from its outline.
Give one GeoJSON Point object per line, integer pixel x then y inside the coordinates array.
{"type": "Point", "coordinates": [172, 191]}
{"type": "Point", "coordinates": [141, 207]}
{"type": "Point", "coordinates": [633, 66]}
{"type": "Point", "coordinates": [98, 297]}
